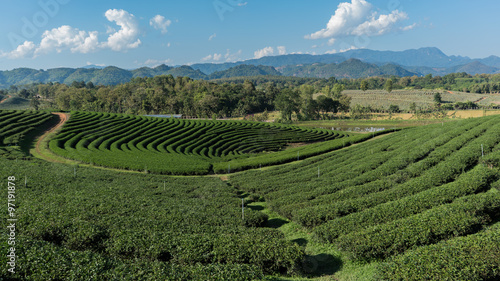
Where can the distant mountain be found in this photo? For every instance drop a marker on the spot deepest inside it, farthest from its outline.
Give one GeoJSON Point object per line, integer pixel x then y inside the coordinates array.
{"type": "Point", "coordinates": [474, 67]}
{"type": "Point", "coordinates": [94, 66]}
{"type": "Point", "coordinates": [245, 70]}
{"type": "Point", "coordinates": [350, 64]}
{"type": "Point", "coordinates": [352, 68]}
{"type": "Point", "coordinates": [110, 75]}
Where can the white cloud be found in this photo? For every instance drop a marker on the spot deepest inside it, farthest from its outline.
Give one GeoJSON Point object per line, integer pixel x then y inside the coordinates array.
{"type": "Point", "coordinates": [214, 57]}
{"type": "Point", "coordinates": [230, 57]}
{"type": "Point", "coordinates": [64, 37]}
{"type": "Point", "coordinates": [212, 37]}
{"type": "Point", "coordinates": [348, 49]}
{"type": "Point", "coordinates": [22, 51]}
{"type": "Point", "coordinates": [153, 62]}
{"type": "Point", "coordinates": [380, 25]}
{"type": "Point", "coordinates": [127, 36]}
{"type": "Point", "coordinates": [242, 4]}
{"type": "Point", "coordinates": [267, 51]}
{"type": "Point", "coordinates": [96, 64]}
{"type": "Point", "coordinates": [169, 44]}
{"type": "Point", "coordinates": [160, 23]}
{"type": "Point", "coordinates": [359, 18]}
{"type": "Point", "coordinates": [409, 27]}
{"type": "Point", "coordinates": [346, 17]}
{"type": "Point", "coordinates": [281, 50]}
{"type": "Point", "coordinates": [331, 52]}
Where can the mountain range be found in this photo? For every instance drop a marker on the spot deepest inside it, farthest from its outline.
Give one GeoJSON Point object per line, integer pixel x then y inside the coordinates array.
{"type": "Point", "coordinates": [351, 64]}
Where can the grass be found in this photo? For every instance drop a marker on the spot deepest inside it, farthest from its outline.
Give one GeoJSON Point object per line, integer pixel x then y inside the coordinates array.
{"type": "Point", "coordinates": [324, 262]}
{"type": "Point", "coordinates": [15, 103]}
{"type": "Point", "coordinates": [422, 98]}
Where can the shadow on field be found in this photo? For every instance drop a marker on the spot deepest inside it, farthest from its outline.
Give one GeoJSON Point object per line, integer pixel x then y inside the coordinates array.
{"type": "Point", "coordinates": [256, 207]}
{"type": "Point", "coordinates": [276, 223]}
{"type": "Point", "coordinates": [321, 265]}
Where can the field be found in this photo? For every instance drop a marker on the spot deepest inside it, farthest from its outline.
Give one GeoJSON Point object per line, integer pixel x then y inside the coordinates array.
{"type": "Point", "coordinates": [422, 98]}
{"type": "Point", "coordinates": [186, 147]}
{"type": "Point", "coordinates": [417, 203]}
{"type": "Point", "coordinates": [395, 195]}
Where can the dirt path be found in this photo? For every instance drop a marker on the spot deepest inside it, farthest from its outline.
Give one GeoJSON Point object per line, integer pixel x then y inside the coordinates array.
{"type": "Point", "coordinates": [63, 117]}
{"type": "Point", "coordinates": [481, 99]}
{"type": "Point", "coordinates": [5, 99]}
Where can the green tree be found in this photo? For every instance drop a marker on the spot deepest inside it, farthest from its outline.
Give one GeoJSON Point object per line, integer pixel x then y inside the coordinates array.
{"type": "Point", "coordinates": [364, 85]}
{"type": "Point", "coordinates": [326, 104]}
{"type": "Point", "coordinates": [393, 108]}
{"type": "Point", "coordinates": [287, 102]}
{"type": "Point", "coordinates": [388, 85]}
{"type": "Point", "coordinates": [413, 107]}
{"type": "Point", "coordinates": [337, 91]}
{"type": "Point", "coordinates": [35, 103]}
{"type": "Point", "coordinates": [344, 103]}
{"type": "Point", "coordinates": [437, 98]}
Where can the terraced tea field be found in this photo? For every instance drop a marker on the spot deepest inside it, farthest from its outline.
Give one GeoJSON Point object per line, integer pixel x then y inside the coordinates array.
{"type": "Point", "coordinates": [422, 203]}
{"type": "Point", "coordinates": [397, 194]}
{"type": "Point", "coordinates": [174, 146]}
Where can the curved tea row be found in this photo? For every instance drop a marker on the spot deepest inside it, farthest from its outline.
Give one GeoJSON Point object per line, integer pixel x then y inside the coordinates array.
{"type": "Point", "coordinates": [175, 146]}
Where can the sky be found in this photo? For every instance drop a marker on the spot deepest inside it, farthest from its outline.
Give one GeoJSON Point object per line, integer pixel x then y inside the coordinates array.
{"type": "Point", "coordinates": [45, 34]}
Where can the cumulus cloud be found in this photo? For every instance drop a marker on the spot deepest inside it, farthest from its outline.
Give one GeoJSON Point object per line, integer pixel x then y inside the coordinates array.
{"type": "Point", "coordinates": [346, 17]}
{"type": "Point", "coordinates": [358, 18]}
{"type": "Point", "coordinates": [230, 57]}
{"type": "Point", "coordinates": [127, 36]}
{"type": "Point", "coordinates": [160, 23]}
{"type": "Point", "coordinates": [212, 37]}
{"type": "Point", "coordinates": [153, 62]}
{"type": "Point", "coordinates": [214, 57]}
{"type": "Point", "coordinates": [22, 51]}
{"type": "Point", "coordinates": [380, 25]}
{"type": "Point", "coordinates": [67, 37]}
{"type": "Point", "coordinates": [267, 51]}
{"type": "Point", "coordinates": [281, 50]}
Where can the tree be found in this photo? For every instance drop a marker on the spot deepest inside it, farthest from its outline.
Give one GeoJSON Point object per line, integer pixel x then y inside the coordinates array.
{"type": "Point", "coordinates": [344, 103]}
{"type": "Point", "coordinates": [437, 98]}
{"type": "Point", "coordinates": [337, 91]}
{"type": "Point", "coordinates": [413, 107]}
{"type": "Point", "coordinates": [35, 103]}
{"type": "Point", "coordinates": [364, 85]}
{"type": "Point", "coordinates": [326, 104]}
{"type": "Point", "coordinates": [393, 108]}
{"type": "Point", "coordinates": [287, 102]}
{"type": "Point", "coordinates": [388, 85]}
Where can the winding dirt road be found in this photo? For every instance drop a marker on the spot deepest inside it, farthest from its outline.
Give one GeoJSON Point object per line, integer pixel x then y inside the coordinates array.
{"type": "Point", "coordinates": [5, 99]}
{"type": "Point", "coordinates": [63, 117]}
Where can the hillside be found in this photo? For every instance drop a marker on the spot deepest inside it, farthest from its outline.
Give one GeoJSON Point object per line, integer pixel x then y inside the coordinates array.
{"type": "Point", "coordinates": [351, 64]}
{"type": "Point", "coordinates": [352, 68]}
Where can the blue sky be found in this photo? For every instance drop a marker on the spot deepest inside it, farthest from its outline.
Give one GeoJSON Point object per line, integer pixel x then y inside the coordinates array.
{"type": "Point", "coordinates": [45, 34]}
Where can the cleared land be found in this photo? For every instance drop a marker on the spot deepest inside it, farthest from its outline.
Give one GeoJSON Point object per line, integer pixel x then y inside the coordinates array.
{"type": "Point", "coordinates": [422, 98]}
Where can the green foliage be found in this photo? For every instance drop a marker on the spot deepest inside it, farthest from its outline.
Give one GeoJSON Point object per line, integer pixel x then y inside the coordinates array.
{"type": "Point", "coordinates": [104, 225]}
{"type": "Point", "coordinates": [474, 257]}
{"type": "Point", "coordinates": [175, 146]}
{"type": "Point", "coordinates": [381, 198]}
{"type": "Point", "coordinates": [464, 216]}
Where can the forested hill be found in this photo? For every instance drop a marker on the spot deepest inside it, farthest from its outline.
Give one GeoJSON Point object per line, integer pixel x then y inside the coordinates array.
{"type": "Point", "coordinates": [352, 68]}
{"type": "Point", "coordinates": [352, 64]}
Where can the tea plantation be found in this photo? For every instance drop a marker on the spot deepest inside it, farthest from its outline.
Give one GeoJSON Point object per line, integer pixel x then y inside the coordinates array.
{"type": "Point", "coordinates": [421, 203]}
{"type": "Point", "coordinates": [185, 147]}
{"type": "Point", "coordinates": [398, 199]}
